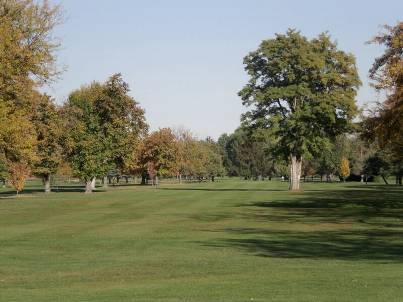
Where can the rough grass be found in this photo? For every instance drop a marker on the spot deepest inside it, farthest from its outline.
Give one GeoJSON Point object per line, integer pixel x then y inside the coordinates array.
{"type": "Point", "coordinates": [225, 241]}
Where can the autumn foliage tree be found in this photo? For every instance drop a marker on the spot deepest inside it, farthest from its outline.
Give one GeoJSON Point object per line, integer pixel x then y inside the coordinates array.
{"type": "Point", "coordinates": [386, 122]}
{"type": "Point", "coordinates": [159, 154]}
{"type": "Point", "coordinates": [27, 47]}
{"type": "Point", "coordinates": [344, 168]}
{"type": "Point", "coordinates": [18, 171]}
{"type": "Point", "coordinates": [27, 62]}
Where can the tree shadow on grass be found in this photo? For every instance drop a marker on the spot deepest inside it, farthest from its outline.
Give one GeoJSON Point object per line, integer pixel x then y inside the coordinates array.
{"type": "Point", "coordinates": [222, 189]}
{"type": "Point", "coordinates": [361, 205]}
{"type": "Point", "coordinates": [366, 224]}
{"type": "Point", "coordinates": [342, 245]}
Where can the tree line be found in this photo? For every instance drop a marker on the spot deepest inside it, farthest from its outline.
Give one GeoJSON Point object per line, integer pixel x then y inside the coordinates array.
{"type": "Point", "coordinates": [302, 117]}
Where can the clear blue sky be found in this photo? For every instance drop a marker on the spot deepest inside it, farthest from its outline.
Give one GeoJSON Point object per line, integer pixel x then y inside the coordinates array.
{"type": "Point", "coordinates": [183, 59]}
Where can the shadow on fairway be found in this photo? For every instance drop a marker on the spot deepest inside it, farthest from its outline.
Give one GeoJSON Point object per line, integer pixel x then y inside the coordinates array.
{"type": "Point", "coordinates": [337, 206]}
{"type": "Point", "coordinates": [222, 189]}
{"type": "Point", "coordinates": [370, 219]}
{"type": "Point", "coordinates": [342, 245]}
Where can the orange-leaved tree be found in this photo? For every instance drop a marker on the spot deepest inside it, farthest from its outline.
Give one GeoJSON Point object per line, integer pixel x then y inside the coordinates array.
{"type": "Point", "coordinates": [19, 171]}
{"type": "Point", "coordinates": [159, 150]}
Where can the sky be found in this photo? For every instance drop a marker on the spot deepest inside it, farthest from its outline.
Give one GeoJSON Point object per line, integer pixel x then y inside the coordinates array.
{"type": "Point", "coordinates": [183, 59]}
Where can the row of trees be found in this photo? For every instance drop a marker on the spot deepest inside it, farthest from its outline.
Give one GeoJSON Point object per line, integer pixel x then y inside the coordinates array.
{"type": "Point", "coordinates": [99, 129]}
{"type": "Point", "coordinates": [250, 154]}
{"type": "Point", "coordinates": [301, 113]}
{"type": "Point", "coordinates": [107, 132]}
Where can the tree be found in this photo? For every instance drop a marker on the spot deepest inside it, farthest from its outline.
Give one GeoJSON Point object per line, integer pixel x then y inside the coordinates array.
{"type": "Point", "coordinates": [246, 154]}
{"type": "Point", "coordinates": [17, 134]}
{"type": "Point", "coordinates": [17, 144]}
{"type": "Point", "coordinates": [18, 171]}
{"type": "Point", "coordinates": [187, 145]}
{"type": "Point", "coordinates": [344, 168]}
{"type": "Point", "coordinates": [159, 154]}
{"type": "Point", "coordinates": [46, 120]}
{"type": "Point", "coordinates": [107, 126]}
{"type": "Point", "coordinates": [308, 168]}
{"type": "Point", "coordinates": [386, 122]}
{"type": "Point", "coordinates": [302, 92]}
{"type": "Point", "coordinates": [84, 142]}
{"type": "Point", "coordinates": [122, 123]}
{"type": "Point", "coordinates": [210, 159]}
{"type": "Point", "coordinates": [27, 47]}
{"type": "Point", "coordinates": [377, 165]}
{"type": "Point", "coordinates": [28, 61]}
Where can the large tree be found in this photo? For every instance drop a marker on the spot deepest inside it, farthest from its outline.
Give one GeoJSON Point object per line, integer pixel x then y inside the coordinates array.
{"type": "Point", "coordinates": [27, 62]}
{"type": "Point", "coordinates": [106, 126]}
{"type": "Point", "coordinates": [302, 91]}
{"type": "Point", "coordinates": [27, 47]}
{"type": "Point", "coordinates": [122, 123]}
{"type": "Point", "coordinates": [84, 143]}
{"type": "Point", "coordinates": [386, 123]}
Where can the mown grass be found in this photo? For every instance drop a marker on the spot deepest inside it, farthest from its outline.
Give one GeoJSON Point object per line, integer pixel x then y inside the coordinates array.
{"type": "Point", "coordinates": [226, 241]}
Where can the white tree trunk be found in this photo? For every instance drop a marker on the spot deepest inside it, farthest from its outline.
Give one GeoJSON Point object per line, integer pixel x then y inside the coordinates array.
{"type": "Point", "coordinates": [93, 182]}
{"type": "Point", "coordinates": [46, 180]}
{"type": "Point", "coordinates": [105, 182]}
{"type": "Point", "coordinates": [88, 186]}
{"type": "Point", "coordinates": [180, 178]}
{"type": "Point", "coordinates": [296, 163]}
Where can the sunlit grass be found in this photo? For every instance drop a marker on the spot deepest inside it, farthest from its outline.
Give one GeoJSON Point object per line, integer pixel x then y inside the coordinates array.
{"type": "Point", "coordinates": [226, 241]}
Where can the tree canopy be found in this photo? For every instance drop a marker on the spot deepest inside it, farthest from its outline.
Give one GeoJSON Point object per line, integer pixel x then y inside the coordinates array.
{"type": "Point", "coordinates": [386, 122]}
{"type": "Point", "coordinates": [302, 91]}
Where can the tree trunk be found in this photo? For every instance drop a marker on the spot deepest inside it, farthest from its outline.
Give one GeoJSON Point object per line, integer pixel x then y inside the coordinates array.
{"type": "Point", "coordinates": [93, 182]}
{"type": "Point", "coordinates": [156, 181]}
{"type": "Point", "coordinates": [296, 163]}
{"type": "Point", "coordinates": [143, 178]}
{"type": "Point", "coordinates": [88, 186]}
{"type": "Point", "coordinates": [105, 182]}
{"type": "Point", "coordinates": [384, 179]}
{"type": "Point", "coordinates": [46, 181]}
{"type": "Point", "coordinates": [180, 178]}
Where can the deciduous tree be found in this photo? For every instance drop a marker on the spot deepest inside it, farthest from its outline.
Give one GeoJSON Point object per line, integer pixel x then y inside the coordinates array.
{"type": "Point", "coordinates": [302, 91]}
{"type": "Point", "coordinates": [386, 122]}
{"type": "Point", "coordinates": [18, 172]}
{"type": "Point", "coordinates": [48, 126]}
{"type": "Point", "coordinates": [84, 142]}
{"type": "Point", "coordinates": [344, 168]}
{"type": "Point", "coordinates": [160, 151]}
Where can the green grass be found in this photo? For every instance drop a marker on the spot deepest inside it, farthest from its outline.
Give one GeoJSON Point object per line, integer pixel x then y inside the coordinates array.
{"type": "Point", "coordinates": [225, 241]}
